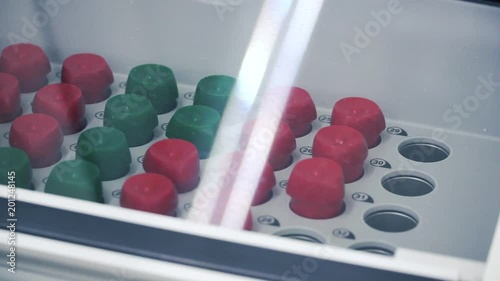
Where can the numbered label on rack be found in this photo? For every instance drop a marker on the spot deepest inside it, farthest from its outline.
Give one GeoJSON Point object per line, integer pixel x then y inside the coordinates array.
{"type": "Point", "coordinates": [306, 150]}
{"type": "Point", "coordinates": [164, 126]}
{"type": "Point", "coordinates": [325, 119]}
{"type": "Point", "coordinates": [99, 115]}
{"type": "Point", "coordinates": [116, 193]}
{"type": "Point", "coordinates": [397, 131]}
{"type": "Point", "coordinates": [283, 184]}
{"type": "Point", "coordinates": [268, 220]}
{"type": "Point", "coordinates": [379, 162]}
{"type": "Point", "coordinates": [189, 96]}
{"type": "Point", "coordinates": [343, 233]}
{"type": "Point", "coordinates": [362, 197]}
{"type": "Point", "coordinates": [140, 159]}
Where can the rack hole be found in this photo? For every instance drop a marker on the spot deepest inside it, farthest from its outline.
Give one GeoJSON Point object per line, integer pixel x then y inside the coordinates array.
{"type": "Point", "coordinates": [375, 248]}
{"type": "Point", "coordinates": [301, 234]}
{"type": "Point", "coordinates": [424, 150]}
{"type": "Point", "coordinates": [408, 183]}
{"type": "Point", "coordinates": [268, 197]}
{"type": "Point", "coordinates": [391, 220]}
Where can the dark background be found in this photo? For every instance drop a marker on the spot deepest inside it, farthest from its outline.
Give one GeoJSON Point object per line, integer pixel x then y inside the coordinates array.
{"type": "Point", "coordinates": [489, 2]}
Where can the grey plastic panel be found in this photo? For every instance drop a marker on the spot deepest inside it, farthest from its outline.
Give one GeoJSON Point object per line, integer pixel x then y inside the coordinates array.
{"type": "Point", "coordinates": [429, 56]}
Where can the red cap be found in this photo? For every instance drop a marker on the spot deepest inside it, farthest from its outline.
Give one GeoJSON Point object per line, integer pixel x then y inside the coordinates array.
{"type": "Point", "coordinates": [63, 102]}
{"type": "Point", "coordinates": [248, 222]}
{"type": "Point", "coordinates": [300, 111]}
{"type": "Point", "coordinates": [91, 73]}
{"type": "Point", "coordinates": [10, 100]}
{"type": "Point", "coordinates": [28, 63]}
{"type": "Point", "coordinates": [345, 145]}
{"type": "Point", "coordinates": [316, 186]}
{"type": "Point", "coordinates": [225, 173]}
{"type": "Point", "coordinates": [361, 114]}
{"type": "Point", "coordinates": [266, 182]}
{"type": "Point", "coordinates": [283, 146]}
{"type": "Point", "coordinates": [40, 136]}
{"type": "Point", "coordinates": [176, 159]}
{"type": "Point", "coordinates": [150, 193]}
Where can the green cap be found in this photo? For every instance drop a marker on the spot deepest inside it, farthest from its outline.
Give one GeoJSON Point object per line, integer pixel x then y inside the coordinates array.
{"type": "Point", "coordinates": [157, 83]}
{"type": "Point", "coordinates": [15, 168]}
{"type": "Point", "coordinates": [77, 179]}
{"type": "Point", "coordinates": [214, 91]}
{"type": "Point", "coordinates": [133, 115]}
{"type": "Point", "coordinates": [197, 124]}
{"type": "Point", "coordinates": [107, 148]}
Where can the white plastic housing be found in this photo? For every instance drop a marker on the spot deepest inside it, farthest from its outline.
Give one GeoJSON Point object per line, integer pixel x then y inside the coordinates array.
{"type": "Point", "coordinates": [432, 66]}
